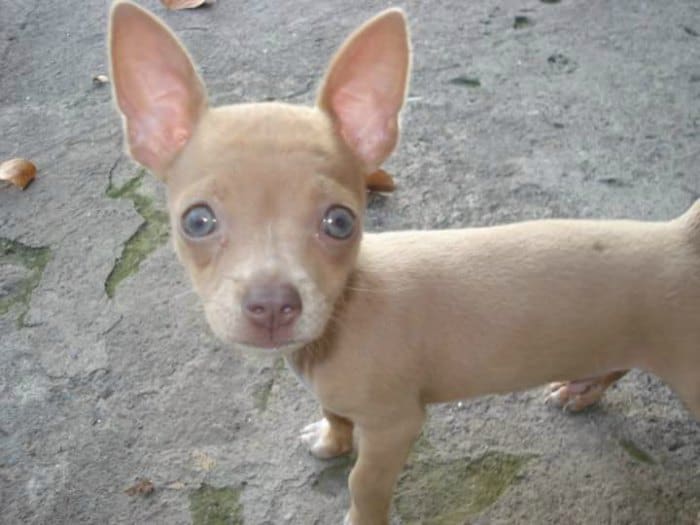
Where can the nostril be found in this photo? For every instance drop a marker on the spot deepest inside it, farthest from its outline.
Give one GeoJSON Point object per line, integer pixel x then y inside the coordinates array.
{"type": "Point", "coordinates": [288, 309]}
{"type": "Point", "coordinates": [290, 303]}
{"type": "Point", "coordinates": [256, 309]}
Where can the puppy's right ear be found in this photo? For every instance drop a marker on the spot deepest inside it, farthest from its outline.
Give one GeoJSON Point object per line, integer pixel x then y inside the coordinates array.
{"type": "Point", "coordinates": [155, 86]}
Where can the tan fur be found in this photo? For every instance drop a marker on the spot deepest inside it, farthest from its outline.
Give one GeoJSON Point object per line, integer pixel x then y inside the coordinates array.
{"type": "Point", "coordinates": [393, 321]}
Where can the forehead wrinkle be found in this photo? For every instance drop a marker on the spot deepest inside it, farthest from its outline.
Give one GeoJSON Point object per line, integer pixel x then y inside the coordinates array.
{"type": "Point", "coordinates": [262, 125]}
{"type": "Point", "coordinates": [197, 190]}
{"type": "Point", "coordinates": [331, 187]}
{"type": "Point", "coordinates": [270, 244]}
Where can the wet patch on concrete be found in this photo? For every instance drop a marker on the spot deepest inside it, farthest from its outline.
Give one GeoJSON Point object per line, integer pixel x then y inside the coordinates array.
{"type": "Point", "coordinates": [21, 268]}
{"type": "Point", "coordinates": [333, 479]}
{"type": "Point", "coordinates": [434, 492]}
{"type": "Point", "coordinates": [152, 233]}
{"type": "Point", "coordinates": [216, 506]}
{"type": "Point", "coordinates": [522, 21]}
{"type": "Point", "coordinates": [466, 81]}
{"type": "Point", "coordinates": [635, 452]}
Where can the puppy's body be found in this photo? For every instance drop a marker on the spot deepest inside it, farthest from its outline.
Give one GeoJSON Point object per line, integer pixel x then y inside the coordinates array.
{"type": "Point", "coordinates": [443, 315]}
{"type": "Point", "coordinates": [266, 204]}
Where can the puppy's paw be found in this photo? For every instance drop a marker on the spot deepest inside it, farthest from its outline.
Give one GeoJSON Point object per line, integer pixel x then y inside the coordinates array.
{"type": "Point", "coordinates": [574, 396]}
{"type": "Point", "coordinates": [325, 441]}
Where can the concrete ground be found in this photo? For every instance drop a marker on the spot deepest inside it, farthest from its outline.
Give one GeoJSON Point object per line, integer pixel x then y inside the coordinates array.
{"type": "Point", "coordinates": [109, 375]}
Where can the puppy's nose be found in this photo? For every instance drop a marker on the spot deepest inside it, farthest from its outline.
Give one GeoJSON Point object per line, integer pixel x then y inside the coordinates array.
{"type": "Point", "coordinates": [272, 305]}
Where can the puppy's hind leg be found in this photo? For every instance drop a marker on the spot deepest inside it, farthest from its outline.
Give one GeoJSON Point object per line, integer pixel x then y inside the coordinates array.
{"type": "Point", "coordinates": [328, 437]}
{"type": "Point", "coordinates": [577, 395]}
{"type": "Point", "coordinates": [694, 406]}
{"type": "Point", "coordinates": [688, 388]}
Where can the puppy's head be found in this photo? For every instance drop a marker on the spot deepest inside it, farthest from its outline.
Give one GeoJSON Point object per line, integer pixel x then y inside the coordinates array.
{"type": "Point", "coordinates": [266, 200]}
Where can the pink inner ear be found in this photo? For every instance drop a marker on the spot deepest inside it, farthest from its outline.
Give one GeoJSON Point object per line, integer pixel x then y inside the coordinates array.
{"type": "Point", "coordinates": [365, 124]}
{"type": "Point", "coordinates": [159, 119]}
{"type": "Point", "coordinates": [156, 86]}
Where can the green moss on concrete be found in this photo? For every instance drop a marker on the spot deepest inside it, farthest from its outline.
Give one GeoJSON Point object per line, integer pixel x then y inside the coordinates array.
{"type": "Point", "coordinates": [635, 452]}
{"type": "Point", "coordinates": [152, 233]}
{"type": "Point", "coordinates": [216, 506]}
{"type": "Point", "coordinates": [34, 259]}
{"type": "Point", "coordinates": [128, 189]}
{"type": "Point", "coordinates": [422, 446]}
{"type": "Point", "coordinates": [444, 493]}
{"type": "Point", "coordinates": [261, 393]}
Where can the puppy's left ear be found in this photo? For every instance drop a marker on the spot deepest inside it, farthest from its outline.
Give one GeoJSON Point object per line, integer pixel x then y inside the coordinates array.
{"type": "Point", "coordinates": [365, 87]}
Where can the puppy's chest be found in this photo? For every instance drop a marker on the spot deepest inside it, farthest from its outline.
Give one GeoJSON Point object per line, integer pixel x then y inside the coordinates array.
{"type": "Point", "coordinates": [336, 392]}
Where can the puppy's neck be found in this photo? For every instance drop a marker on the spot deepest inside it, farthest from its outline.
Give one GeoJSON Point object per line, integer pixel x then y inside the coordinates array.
{"type": "Point", "coordinates": [306, 359]}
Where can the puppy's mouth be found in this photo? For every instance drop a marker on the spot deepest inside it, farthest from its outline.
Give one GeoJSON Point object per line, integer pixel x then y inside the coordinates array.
{"type": "Point", "coordinates": [272, 347]}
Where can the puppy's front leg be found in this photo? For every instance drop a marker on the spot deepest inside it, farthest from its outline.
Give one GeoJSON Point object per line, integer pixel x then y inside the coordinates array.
{"type": "Point", "coordinates": [328, 437]}
{"type": "Point", "coordinates": [382, 453]}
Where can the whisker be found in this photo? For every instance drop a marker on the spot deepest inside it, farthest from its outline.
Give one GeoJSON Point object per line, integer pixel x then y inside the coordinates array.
{"type": "Point", "coordinates": [219, 303]}
{"type": "Point", "coordinates": [189, 291]}
{"type": "Point", "coordinates": [232, 278]}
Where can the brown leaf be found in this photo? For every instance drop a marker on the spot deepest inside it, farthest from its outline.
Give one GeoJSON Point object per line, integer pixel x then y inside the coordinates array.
{"type": "Point", "coordinates": [203, 461]}
{"type": "Point", "coordinates": [380, 180]}
{"type": "Point", "coordinates": [185, 4]}
{"type": "Point", "coordinates": [142, 487]}
{"type": "Point", "coordinates": [19, 172]}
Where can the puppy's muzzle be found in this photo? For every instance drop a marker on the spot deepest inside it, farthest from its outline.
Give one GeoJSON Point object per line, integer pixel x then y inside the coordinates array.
{"type": "Point", "coordinates": [271, 309]}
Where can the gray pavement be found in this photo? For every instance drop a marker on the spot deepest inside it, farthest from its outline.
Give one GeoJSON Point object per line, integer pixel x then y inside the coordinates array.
{"type": "Point", "coordinates": [109, 374]}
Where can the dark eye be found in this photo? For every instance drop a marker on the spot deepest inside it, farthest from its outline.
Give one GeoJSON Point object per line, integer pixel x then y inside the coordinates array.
{"type": "Point", "coordinates": [198, 221]}
{"type": "Point", "coordinates": [339, 222]}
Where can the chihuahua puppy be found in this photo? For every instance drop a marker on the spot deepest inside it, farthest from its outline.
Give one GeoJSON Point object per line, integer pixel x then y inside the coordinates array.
{"type": "Point", "coordinates": [266, 204]}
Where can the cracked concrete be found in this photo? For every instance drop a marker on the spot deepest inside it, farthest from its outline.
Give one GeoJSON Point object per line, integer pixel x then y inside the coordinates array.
{"type": "Point", "coordinates": [22, 268]}
{"type": "Point", "coordinates": [152, 233]}
{"type": "Point", "coordinates": [590, 109]}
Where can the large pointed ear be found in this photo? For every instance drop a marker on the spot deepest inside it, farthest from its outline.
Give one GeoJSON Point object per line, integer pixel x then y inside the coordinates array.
{"type": "Point", "coordinates": [365, 87]}
{"type": "Point", "coordinates": [155, 86]}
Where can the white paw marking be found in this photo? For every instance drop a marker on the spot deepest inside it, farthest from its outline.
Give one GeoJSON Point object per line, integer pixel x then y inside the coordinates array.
{"type": "Point", "coordinates": [318, 438]}
{"type": "Point", "coordinates": [574, 396]}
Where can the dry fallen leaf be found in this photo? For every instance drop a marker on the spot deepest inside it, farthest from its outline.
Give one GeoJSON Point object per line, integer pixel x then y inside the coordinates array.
{"type": "Point", "coordinates": [19, 172]}
{"type": "Point", "coordinates": [175, 485]}
{"type": "Point", "coordinates": [203, 461]}
{"type": "Point", "coordinates": [380, 180]}
{"type": "Point", "coordinates": [100, 80]}
{"type": "Point", "coordinates": [185, 4]}
{"type": "Point", "coordinates": [142, 487]}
